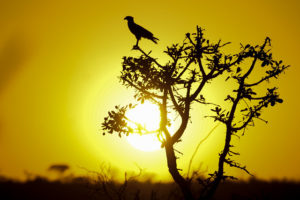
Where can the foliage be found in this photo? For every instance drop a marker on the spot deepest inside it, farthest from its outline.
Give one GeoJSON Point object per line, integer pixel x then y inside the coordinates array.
{"type": "Point", "coordinates": [87, 187]}
{"type": "Point", "coordinates": [179, 83]}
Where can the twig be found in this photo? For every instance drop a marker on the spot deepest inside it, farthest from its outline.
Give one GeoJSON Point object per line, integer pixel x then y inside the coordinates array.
{"type": "Point", "coordinates": [200, 142]}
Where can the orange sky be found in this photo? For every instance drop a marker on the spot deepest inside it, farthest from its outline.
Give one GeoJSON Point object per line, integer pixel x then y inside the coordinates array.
{"type": "Point", "coordinates": [59, 62]}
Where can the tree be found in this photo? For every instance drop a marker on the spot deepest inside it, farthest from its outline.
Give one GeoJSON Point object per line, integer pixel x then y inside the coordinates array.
{"type": "Point", "coordinates": [177, 84]}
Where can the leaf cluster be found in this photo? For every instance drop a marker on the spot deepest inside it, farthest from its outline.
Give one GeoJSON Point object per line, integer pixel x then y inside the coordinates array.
{"type": "Point", "coordinates": [116, 121]}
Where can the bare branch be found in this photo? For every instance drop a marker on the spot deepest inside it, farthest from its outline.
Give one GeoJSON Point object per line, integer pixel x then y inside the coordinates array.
{"type": "Point", "coordinates": [198, 146]}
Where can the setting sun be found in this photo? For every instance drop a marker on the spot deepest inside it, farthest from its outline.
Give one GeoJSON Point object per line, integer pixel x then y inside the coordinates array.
{"type": "Point", "coordinates": [147, 116]}
{"type": "Point", "coordinates": [144, 142]}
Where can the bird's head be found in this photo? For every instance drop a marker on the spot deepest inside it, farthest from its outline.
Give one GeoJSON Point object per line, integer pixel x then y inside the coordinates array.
{"type": "Point", "coordinates": [129, 18]}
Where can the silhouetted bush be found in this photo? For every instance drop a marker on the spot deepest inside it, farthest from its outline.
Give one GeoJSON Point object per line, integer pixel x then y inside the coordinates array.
{"type": "Point", "coordinates": [82, 188]}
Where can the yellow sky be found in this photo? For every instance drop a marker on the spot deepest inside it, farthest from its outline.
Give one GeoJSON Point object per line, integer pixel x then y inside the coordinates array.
{"type": "Point", "coordinates": [59, 62]}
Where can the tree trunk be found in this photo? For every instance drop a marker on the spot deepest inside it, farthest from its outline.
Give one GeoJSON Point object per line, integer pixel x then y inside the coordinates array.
{"type": "Point", "coordinates": [180, 181]}
{"type": "Point", "coordinates": [214, 185]}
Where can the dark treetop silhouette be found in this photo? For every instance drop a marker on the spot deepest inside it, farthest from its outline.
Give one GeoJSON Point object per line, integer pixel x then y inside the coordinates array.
{"type": "Point", "coordinates": [178, 84]}
{"type": "Point", "coordinates": [139, 31]}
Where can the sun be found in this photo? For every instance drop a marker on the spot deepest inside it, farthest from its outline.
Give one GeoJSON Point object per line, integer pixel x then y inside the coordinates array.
{"type": "Point", "coordinates": [147, 115]}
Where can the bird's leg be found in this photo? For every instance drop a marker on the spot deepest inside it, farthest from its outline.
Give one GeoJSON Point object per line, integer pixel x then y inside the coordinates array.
{"type": "Point", "coordinates": [137, 44]}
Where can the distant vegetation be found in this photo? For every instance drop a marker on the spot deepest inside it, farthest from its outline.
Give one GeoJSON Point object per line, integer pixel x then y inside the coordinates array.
{"type": "Point", "coordinates": [82, 188]}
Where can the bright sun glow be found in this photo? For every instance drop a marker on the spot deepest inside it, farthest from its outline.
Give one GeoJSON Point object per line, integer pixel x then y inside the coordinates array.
{"type": "Point", "coordinates": [148, 116]}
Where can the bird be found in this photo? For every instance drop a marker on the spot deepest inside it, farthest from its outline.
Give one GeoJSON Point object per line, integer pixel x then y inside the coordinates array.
{"type": "Point", "coordinates": [139, 31]}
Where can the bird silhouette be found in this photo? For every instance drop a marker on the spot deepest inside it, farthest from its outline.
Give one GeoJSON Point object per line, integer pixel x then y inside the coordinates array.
{"type": "Point", "coordinates": [139, 31]}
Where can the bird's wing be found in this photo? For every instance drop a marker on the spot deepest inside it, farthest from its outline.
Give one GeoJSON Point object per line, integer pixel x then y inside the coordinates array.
{"type": "Point", "coordinates": [143, 32]}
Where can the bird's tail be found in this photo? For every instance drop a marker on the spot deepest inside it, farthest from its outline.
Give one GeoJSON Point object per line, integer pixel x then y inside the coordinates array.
{"type": "Point", "coordinates": [154, 39]}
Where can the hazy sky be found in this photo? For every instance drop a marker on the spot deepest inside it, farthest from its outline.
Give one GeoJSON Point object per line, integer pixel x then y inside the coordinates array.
{"type": "Point", "coordinates": [59, 62]}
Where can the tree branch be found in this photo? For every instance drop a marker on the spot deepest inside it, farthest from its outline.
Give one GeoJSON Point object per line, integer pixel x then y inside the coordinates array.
{"type": "Point", "coordinates": [177, 107]}
{"type": "Point", "coordinates": [143, 90]}
{"type": "Point", "coordinates": [267, 77]}
{"type": "Point", "coordinates": [147, 55]}
{"type": "Point", "coordinates": [256, 57]}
